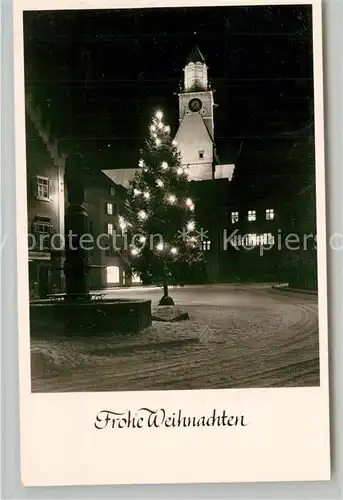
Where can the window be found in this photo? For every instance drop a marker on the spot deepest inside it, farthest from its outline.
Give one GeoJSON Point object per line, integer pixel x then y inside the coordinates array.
{"type": "Point", "coordinates": [234, 217]}
{"type": "Point", "coordinates": [42, 225]}
{"type": "Point", "coordinates": [201, 154]}
{"type": "Point", "coordinates": [135, 278]}
{"type": "Point", "coordinates": [206, 245]}
{"type": "Point", "coordinates": [270, 239]}
{"type": "Point", "coordinates": [252, 240]}
{"type": "Point", "coordinates": [112, 190]}
{"type": "Point", "coordinates": [110, 228]}
{"type": "Point", "coordinates": [249, 240]}
{"type": "Point", "coordinates": [112, 274]}
{"type": "Point", "coordinates": [251, 215]}
{"type": "Point", "coordinates": [236, 240]}
{"type": "Point", "coordinates": [42, 188]}
{"type": "Point", "coordinates": [109, 208]}
{"type": "Point", "coordinates": [269, 213]}
{"type": "Point", "coordinates": [42, 229]}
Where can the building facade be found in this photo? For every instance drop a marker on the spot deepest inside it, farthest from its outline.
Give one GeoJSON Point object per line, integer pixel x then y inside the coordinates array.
{"type": "Point", "coordinates": [252, 237]}
{"type": "Point", "coordinates": [300, 255]}
{"type": "Point", "coordinates": [45, 206]}
{"type": "Point", "coordinates": [272, 211]}
{"type": "Point", "coordinates": [104, 202]}
{"type": "Point", "coordinates": [47, 200]}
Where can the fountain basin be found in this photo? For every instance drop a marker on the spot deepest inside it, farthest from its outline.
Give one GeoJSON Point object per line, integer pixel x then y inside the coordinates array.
{"type": "Point", "coordinates": [90, 318]}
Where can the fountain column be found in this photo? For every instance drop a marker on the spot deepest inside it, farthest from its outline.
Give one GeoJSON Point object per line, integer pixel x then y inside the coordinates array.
{"type": "Point", "coordinates": [76, 265]}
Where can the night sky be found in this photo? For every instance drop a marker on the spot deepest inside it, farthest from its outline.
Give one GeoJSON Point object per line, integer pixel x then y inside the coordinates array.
{"type": "Point", "coordinates": [99, 75]}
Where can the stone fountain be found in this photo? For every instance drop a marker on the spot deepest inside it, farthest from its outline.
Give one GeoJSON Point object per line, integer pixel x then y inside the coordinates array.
{"type": "Point", "coordinates": [78, 311]}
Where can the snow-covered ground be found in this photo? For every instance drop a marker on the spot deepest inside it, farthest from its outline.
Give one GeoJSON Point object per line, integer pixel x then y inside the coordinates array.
{"type": "Point", "coordinates": [249, 336]}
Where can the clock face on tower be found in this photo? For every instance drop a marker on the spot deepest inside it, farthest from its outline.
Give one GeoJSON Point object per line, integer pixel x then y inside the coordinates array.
{"type": "Point", "coordinates": [195, 105]}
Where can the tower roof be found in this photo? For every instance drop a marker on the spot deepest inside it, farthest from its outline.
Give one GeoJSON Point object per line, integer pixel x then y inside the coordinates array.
{"type": "Point", "coordinates": [195, 56]}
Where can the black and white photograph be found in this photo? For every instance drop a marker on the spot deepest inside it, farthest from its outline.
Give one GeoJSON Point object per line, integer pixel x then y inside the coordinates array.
{"type": "Point", "coordinates": [171, 235]}
{"type": "Point", "coordinates": [171, 198]}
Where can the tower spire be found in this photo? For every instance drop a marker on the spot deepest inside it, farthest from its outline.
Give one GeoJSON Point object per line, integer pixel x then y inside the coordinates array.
{"type": "Point", "coordinates": [195, 71]}
{"type": "Point", "coordinates": [195, 56]}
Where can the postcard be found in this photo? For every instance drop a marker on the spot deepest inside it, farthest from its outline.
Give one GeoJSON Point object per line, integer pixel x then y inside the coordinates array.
{"type": "Point", "coordinates": [172, 239]}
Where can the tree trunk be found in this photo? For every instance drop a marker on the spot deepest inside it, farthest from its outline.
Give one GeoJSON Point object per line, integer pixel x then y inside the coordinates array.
{"type": "Point", "coordinates": [166, 300]}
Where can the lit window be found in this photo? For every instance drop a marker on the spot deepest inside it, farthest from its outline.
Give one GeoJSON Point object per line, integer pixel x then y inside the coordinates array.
{"type": "Point", "coordinates": [267, 239]}
{"type": "Point", "coordinates": [236, 240]}
{"type": "Point", "coordinates": [234, 217]}
{"type": "Point", "coordinates": [270, 214]}
{"type": "Point", "coordinates": [251, 215]}
{"type": "Point", "coordinates": [206, 245]}
{"type": "Point", "coordinates": [135, 278]}
{"type": "Point", "coordinates": [109, 208]}
{"type": "Point", "coordinates": [249, 240]}
{"type": "Point", "coordinates": [271, 239]}
{"type": "Point", "coordinates": [112, 274]}
{"type": "Point", "coordinates": [110, 228]}
{"type": "Point", "coordinates": [42, 188]}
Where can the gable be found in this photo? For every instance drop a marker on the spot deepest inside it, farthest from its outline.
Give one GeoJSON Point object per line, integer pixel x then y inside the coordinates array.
{"type": "Point", "coordinates": [192, 137]}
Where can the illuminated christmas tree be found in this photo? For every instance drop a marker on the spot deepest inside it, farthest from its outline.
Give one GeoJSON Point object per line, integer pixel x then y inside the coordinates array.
{"type": "Point", "coordinates": [159, 215]}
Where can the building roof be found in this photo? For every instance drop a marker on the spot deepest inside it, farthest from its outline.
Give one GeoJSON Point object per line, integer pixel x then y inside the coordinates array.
{"type": "Point", "coordinates": [122, 176]}
{"type": "Point", "coordinates": [195, 56]}
{"type": "Point", "coordinates": [224, 171]}
{"type": "Point", "coordinates": [192, 129]}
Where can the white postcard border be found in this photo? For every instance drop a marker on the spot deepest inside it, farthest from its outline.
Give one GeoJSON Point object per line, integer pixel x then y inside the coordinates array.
{"type": "Point", "coordinates": [288, 433]}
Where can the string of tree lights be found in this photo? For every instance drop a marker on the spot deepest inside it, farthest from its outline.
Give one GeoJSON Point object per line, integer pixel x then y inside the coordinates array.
{"type": "Point", "coordinates": [159, 216]}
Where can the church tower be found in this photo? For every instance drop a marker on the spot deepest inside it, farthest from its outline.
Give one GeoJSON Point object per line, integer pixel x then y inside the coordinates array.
{"type": "Point", "coordinates": [195, 136]}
